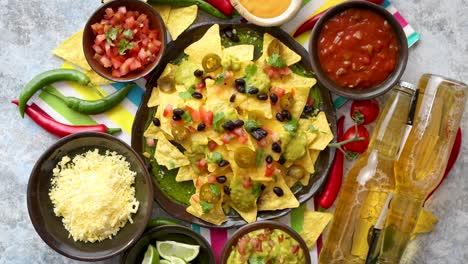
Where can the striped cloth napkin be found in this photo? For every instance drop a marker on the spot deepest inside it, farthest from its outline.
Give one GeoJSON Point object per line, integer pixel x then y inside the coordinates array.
{"type": "Point", "coordinates": [122, 116]}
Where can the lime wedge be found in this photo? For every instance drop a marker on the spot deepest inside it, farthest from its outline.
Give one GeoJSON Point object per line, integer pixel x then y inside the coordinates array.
{"type": "Point", "coordinates": [170, 249]}
{"type": "Point", "coordinates": [151, 256]}
{"type": "Point", "coordinates": [164, 261]}
{"type": "Point", "coordinates": [176, 260]}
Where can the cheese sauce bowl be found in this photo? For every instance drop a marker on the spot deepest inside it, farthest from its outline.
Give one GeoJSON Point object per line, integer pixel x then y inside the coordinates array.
{"type": "Point", "coordinates": [50, 227]}
{"type": "Point", "coordinates": [267, 13]}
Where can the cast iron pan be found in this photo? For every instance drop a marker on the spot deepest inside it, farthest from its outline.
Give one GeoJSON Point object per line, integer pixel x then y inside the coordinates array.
{"type": "Point", "coordinates": [177, 47]}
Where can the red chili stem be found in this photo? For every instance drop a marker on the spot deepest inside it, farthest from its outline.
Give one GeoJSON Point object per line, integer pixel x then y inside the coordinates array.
{"type": "Point", "coordinates": [224, 6]}
{"type": "Point", "coordinates": [60, 129]}
{"type": "Point", "coordinates": [452, 158]}
{"type": "Point", "coordinates": [335, 176]}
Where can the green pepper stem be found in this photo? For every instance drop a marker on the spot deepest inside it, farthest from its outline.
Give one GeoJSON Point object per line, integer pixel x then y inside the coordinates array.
{"type": "Point", "coordinates": [113, 130]}
{"type": "Point", "coordinates": [96, 90]}
{"type": "Point", "coordinates": [51, 90]}
{"type": "Point", "coordinates": [341, 143]}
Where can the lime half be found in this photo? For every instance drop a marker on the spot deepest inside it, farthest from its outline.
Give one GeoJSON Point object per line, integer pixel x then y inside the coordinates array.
{"type": "Point", "coordinates": [164, 261]}
{"type": "Point", "coordinates": [171, 249]}
{"type": "Point", "coordinates": [151, 256]}
{"type": "Point", "coordinates": [176, 260]}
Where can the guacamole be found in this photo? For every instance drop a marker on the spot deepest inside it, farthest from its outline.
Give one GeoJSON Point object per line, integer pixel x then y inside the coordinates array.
{"type": "Point", "coordinates": [267, 246]}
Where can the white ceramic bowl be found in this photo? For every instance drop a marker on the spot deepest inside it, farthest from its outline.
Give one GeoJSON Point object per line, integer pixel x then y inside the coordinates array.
{"type": "Point", "coordinates": [268, 22]}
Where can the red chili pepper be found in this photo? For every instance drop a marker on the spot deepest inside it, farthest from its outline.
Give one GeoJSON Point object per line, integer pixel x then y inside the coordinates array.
{"type": "Point", "coordinates": [335, 177]}
{"type": "Point", "coordinates": [452, 158]}
{"type": "Point", "coordinates": [310, 23]}
{"type": "Point", "coordinates": [222, 5]}
{"type": "Point", "coordinates": [60, 129]}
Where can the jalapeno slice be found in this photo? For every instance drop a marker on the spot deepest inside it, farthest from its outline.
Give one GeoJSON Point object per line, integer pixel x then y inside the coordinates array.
{"type": "Point", "coordinates": [210, 193]}
{"type": "Point", "coordinates": [211, 62]}
{"type": "Point", "coordinates": [296, 172]}
{"type": "Point", "coordinates": [286, 101]}
{"type": "Point", "coordinates": [167, 83]}
{"type": "Point", "coordinates": [245, 157]}
{"type": "Point", "coordinates": [180, 133]}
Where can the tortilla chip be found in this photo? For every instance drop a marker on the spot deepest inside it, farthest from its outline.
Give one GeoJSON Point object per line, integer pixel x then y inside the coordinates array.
{"type": "Point", "coordinates": [426, 223]}
{"type": "Point", "coordinates": [295, 80]}
{"type": "Point", "coordinates": [97, 79]}
{"type": "Point", "coordinates": [168, 155]}
{"type": "Point", "coordinates": [242, 52]}
{"type": "Point", "coordinates": [71, 50]}
{"type": "Point", "coordinates": [215, 216]}
{"type": "Point", "coordinates": [314, 224]}
{"type": "Point", "coordinates": [249, 216]}
{"type": "Point", "coordinates": [164, 11]}
{"type": "Point", "coordinates": [289, 56]}
{"type": "Point", "coordinates": [325, 134]}
{"type": "Point", "coordinates": [180, 19]}
{"type": "Point", "coordinates": [209, 43]}
{"type": "Point", "coordinates": [154, 99]}
{"type": "Point", "coordinates": [269, 201]}
{"type": "Point", "coordinates": [185, 173]}
{"type": "Point", "coordinates": [154, 132]}
{"type": "Point", "coordinates": [304, 125]}
{"type": "Point", "coordinates": [313, 155]}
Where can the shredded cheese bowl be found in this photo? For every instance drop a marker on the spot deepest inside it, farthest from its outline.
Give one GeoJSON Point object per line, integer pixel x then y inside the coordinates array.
{"type": "Point", "coordinates": [78, 211]}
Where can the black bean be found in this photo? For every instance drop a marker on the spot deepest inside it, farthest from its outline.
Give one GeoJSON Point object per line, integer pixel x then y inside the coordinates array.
{"type": "Point", "coordinates": [232, 98]}
{"type": "Point", "coordinates": [269, 159]}
{"type": "Point", "coordinates": [221, 179]}
{"type": "Point", "coordinates": [280, 117]}
{"type": "Point", "coordinates": [262, 96]}
{"type": "Point", "coordinates": [201, 127]}
{"type": "Point", "coordinates": [253, 90]}
{"type": "Point", "coordinates": [178, 111]}
{"type": "Point", "coordinates": [240, 82]}
{"type": "Point", "coordinates": [262, 187]}
{"type": "Point", "coordinates": [223, 163]}
{"type": "Point", "coordinates": [238, 123]}
{"type": "Point", "coordinates": [286, 114]}
{"type": "Point", "coordinates": [276, 147]}
{"type": "Point", "coordinates": [227, 190]}
{"type": "Point", "coordinates": [240, 89]}
{"type": "Point", "coordinates": [198, 73]}
{"type": "Point", "coordinates": [229, 33]}
{"type": "Point", "coordinates": [176, 117]}
{"type": "Point", "coordinates": [197, 95]}
{"type": "Point", "coordinates": [308, 109]}
{"type": "Point", "coordinates": [278, 191]}
{"type": "Point", "coordinates": [273, 98]}
{"type": "Point", "coordinates": [229, 125]}
{"type": "Point", "coordinates": [282, 160]}
{"type": "Point", "coordinates": [156, 121]}
{"type": "Point", "coordinates": [258, 133]}
{"type": "Point", "coordinates": [149, 166]}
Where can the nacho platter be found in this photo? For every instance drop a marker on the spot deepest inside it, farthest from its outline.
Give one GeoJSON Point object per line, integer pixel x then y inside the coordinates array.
{"type": "Point", "coordinates": [165, 189]}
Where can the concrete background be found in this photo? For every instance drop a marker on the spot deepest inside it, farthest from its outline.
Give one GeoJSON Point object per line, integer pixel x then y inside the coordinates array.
{"type": "Point", "coordinates": [31, 29]}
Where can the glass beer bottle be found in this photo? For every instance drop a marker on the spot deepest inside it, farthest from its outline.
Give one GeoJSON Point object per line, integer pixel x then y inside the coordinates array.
{"type": "Point", "coordinates": [368, 183]}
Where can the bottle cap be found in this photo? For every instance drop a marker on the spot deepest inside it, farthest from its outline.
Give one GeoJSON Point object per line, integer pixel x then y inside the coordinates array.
{"type": "Point", "coordinates": [406, 87]}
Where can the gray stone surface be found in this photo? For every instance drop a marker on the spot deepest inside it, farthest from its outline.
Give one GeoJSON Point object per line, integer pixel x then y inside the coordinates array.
{"type": "Point", "coordinates": [31, 29]}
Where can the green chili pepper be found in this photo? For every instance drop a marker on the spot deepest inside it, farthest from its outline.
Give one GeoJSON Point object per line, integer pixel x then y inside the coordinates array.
{"type": "Point", "coordinates": [49, 77]}
{"type": "Point", "coordinates": [160, 222]}
{"type": "Point", "coordinates": [95, 106]}
{"type": "Point", "coordinates": [200, 3]}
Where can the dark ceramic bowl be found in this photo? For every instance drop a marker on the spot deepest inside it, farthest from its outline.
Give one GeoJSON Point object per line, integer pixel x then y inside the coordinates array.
{"type": "Point", "coordinates": [174, 49]}
{"type": "Point", "coordinates": [156, 22]}
{"type": "Point", "coordinates": [50, 227]}
{"type": "Point", "coordinates": [366, 93]}
{"type": "Point", "coordinates": [261, 225]}
{"type": "Point", "coordinates": [171, 233]}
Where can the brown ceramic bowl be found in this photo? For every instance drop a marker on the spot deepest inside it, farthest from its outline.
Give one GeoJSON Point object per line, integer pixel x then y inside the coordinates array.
{"type": "Point", "coordinates": [156, 22]}
{"type": "Point", "coordinates": [261, 225]}
{"type": "Point", "coordinates": [50, 227]}
{"type": "Point", "coordinates": [170, 233]}
{"type": "Point", "coordinates": [365, 93]}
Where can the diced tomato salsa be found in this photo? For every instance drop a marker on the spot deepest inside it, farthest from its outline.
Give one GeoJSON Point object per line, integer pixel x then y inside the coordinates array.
{"type": "Point", "coordinates": [358, 48]}
{"type": "Point", "coordinates": [124, 42]}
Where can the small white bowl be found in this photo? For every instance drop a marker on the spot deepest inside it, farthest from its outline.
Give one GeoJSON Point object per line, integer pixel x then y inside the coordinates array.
{"type": "Point", "coordinates": [287, 15]}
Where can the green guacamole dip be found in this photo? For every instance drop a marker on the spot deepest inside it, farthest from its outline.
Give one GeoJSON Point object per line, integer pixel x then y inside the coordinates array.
{"type": "Point", "coordinates": [265, 246]}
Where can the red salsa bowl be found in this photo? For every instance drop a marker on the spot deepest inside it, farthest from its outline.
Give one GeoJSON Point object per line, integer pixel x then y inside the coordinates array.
{"type": "Point", "coordinates": [358, 50]}
{"type": "Point", "coordinates": [124, 40]}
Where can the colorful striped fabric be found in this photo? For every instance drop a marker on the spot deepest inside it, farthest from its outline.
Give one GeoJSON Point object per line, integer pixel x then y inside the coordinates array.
{"type": "Point", "coordinates": [122, 116]}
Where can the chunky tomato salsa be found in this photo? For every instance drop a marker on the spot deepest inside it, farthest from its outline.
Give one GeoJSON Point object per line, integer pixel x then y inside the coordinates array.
{"type": "Point", "coordinates": [357, 48]}
{"type": "Point", "coordinates": [124, 41]}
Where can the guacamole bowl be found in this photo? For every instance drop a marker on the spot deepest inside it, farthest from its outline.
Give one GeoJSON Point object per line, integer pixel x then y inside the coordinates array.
{"type": "Point", "coordinates": [266, 235]}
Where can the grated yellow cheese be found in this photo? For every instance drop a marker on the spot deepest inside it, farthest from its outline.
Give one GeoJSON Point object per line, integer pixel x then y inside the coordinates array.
{"type": "Point", "coordinates": [94, 194]}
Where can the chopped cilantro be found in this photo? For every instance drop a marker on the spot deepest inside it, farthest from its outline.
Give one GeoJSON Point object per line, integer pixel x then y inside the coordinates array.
{"type": "Point", "coordinates": [276, 61]}
{"type": "Point", "coordinates": [124, 45]}
{"type": "Point", "coordinates": [217, 121]}
{"type": "Point", "coordinates": [257, 190]}
{"type": "Point", "coordinates": [250, 71]}
{"type": "Point", "coordinates": [128, 34]}
{"type": "Point", "coordinates": [260, 157]}
{"type": "Point", "coordinates": [187, 117]}
{"type": "Point", "coordinates": [256, 260]}
{"type": "Point", "coordinates": [206, 207]}
{"type": "Point", "coordinates": [312, 129]}
{"type": "Point", "coordinates": [111, 35]}
{"type": "Point", "coordinates": [220, 79]}
{"type": "Point", "coordinates": [215, 157]}
{"type": "Point", "coordinates": [291, 126]}
{"type": "Point", "coordinates": [315, 94]}
{"type": "Point", "coordinates": [251, 125]}
{"type": "Point", "coordinates": [215, 189]}
{"type": "Point", "coordinates": [171, 164]}
{"type": "Point", "coordinates": [185, 95]}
